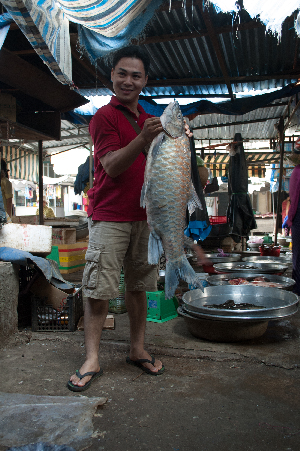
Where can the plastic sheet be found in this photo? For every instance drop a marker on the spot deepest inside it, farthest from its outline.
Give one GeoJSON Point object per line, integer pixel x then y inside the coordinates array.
{"type": "Point", "coordinates": [26, 419]}
{"type": "Point", "coordinates": [41, 447]}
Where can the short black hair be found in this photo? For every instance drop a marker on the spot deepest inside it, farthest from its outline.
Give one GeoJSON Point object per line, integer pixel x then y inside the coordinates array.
{"type": "Point", "coordinates": [132, 51]}
{"type": "Point", "coordinates": [3, 165]}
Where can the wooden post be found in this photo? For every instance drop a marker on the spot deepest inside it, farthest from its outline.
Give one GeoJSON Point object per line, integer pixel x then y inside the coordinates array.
{"type": "Point", "coordinates": [41, 190]}
{"type": "Point", "coordinates": [281, 142]}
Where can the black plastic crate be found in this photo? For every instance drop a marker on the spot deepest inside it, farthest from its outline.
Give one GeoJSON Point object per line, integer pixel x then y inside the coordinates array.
{"type": "Point", "coordinates": [46, 318]}
{"type": "Point", "coordinates": [26, 274]}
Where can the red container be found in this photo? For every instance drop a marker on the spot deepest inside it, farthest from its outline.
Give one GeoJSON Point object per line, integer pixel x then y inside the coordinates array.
{"type": "Point", "coordinates": [267, 251]}
{"type": "Point", "coordinates": [218, 219]}
{"type": "Point", "coordinates": [209, 269]}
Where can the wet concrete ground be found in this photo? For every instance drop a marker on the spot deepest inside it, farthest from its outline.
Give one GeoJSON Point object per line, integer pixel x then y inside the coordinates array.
{"type": "Point", "coordinates": [238, 396]}
{"type": "Point", "coordinates": [226, 396]}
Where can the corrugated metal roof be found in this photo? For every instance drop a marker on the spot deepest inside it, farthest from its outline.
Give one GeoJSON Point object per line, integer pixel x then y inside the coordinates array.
{"type": "Point", "coordinates": [195, 52]}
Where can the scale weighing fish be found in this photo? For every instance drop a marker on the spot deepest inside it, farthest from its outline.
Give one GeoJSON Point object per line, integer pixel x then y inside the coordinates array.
{"type": "Point", "coordinates": [167, 191]}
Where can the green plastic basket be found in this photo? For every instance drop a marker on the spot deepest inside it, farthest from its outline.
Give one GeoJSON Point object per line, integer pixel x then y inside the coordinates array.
{"type": "Point", "coordinates": [117, 305]}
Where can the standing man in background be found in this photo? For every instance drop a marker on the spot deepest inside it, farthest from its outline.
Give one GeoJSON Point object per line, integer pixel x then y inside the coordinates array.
{"type": "Point", "coordinates": [6, 188]}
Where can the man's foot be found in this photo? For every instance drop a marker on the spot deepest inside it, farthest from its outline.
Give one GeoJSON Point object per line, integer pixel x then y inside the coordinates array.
{"type": "Point", "coordinates": [79, 379]}
{"type": "Point", "coordinates": [148, 364]}
{"type": "Point", "coordinates": [92, 374]}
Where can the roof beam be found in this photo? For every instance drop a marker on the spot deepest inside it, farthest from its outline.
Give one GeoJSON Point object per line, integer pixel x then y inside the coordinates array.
{"type": "Point", "coordinates": [33, 81]}
{"type": "Point", "coordinates": [220, 80]}
{"type": "Point", "coordinates": [215, 42]}
{"type": "Point", "coordinates": [198, 33]}
{"type": "Point", "coordinates": [87, 65]}
{"type": "Point", "coordinates": [230, 124]}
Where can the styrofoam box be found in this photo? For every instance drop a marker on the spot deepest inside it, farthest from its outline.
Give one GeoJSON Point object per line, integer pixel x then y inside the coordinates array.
{"type": "Point", "coordinates": [26, 237]}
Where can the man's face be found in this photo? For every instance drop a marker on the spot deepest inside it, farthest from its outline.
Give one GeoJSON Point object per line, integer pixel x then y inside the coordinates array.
{"type": "Point", "coordinates": [128, 79]}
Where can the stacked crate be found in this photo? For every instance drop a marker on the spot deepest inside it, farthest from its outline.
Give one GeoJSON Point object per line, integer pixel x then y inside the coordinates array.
{"type": "Point", "coordinates": [72, 257]}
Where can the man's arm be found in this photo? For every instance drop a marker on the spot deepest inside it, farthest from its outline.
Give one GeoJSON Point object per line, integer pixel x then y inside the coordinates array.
{"type": "Point", "coordinates": [114, 163]}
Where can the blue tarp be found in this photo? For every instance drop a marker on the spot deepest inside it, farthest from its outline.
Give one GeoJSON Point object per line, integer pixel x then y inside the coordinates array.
{"type": "Point", "coordinates": [5, 21]}
{"type": "Point", "coordinates": [240, 106]}
{"type": "Point", "coordinates": [98, 45]}
{"type": "Point", "coordinates": [48, 267]}
{"type": "Point", "coordinates": [237, 107]}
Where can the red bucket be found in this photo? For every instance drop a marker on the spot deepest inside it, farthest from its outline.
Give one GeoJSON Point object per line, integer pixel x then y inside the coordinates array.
{"type": "Point", "coordinates": [270, 251]}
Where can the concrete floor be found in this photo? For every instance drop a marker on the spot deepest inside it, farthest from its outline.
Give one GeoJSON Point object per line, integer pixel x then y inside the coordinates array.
{"type": "Point", "coordinates": [230, 396]}
{"type": "Point", "coordinates": [226, 396]}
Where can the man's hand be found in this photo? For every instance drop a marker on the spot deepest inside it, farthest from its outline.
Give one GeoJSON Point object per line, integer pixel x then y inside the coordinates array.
{"type": "Point", "coordinates": [152, 128]}
{"type": "Point", "coordinates": [187, 129]}
{"type": "Point", "coordinates": [201, 257]}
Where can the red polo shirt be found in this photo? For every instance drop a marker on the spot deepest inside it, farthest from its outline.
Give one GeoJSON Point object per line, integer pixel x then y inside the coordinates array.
{"type": "Point", "coordinates": [116, 199]}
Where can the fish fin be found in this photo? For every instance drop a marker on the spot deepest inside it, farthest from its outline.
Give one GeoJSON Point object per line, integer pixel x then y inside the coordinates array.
{"type": "Point", "coordinates": [176, 270]}
{"type": "Point", "coordinates": [194, 201]}
{"type": "Point", "coordinates": [155, 248]}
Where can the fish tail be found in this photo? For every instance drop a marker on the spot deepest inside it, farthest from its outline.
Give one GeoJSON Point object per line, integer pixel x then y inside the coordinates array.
{"type": "Point", "coordinates": [155, 248]}
{"type": "Point", "coordinates": [176, 270]}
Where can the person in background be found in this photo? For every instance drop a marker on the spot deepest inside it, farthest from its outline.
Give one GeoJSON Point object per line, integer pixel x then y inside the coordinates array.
{"type": "Point", "coordinates": [48, 213]}
{"type": "Point", "coordinates": [294, 223]}
{"type": "Point", "coordinates": [6, 188]}
{"type": "Point", "coordinates": [285, 210]}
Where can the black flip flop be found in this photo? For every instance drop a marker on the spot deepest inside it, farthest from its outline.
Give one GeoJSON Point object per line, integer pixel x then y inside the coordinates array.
{"type": "Point", "coordinates": [94, 375]}
{"type": "Point", "coordinates": [139, 364]}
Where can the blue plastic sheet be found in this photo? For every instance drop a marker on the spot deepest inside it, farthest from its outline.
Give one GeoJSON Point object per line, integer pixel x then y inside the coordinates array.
{"type": "Point", "coordinates": [48, 267]}
{"type": "Point", "coordinates": [41, 447]}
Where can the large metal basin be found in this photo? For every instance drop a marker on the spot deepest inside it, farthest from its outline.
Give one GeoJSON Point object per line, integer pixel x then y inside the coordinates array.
{"type": "Point", "coordinates": [251, 267]}
{"type": "Point", "coordinates": [223, 279]}
{"type": "Point", "coordinates": [277, 303]}
{"type": "Point", "coordinates": [262, 259]}
{"type": "Point", "coordinates": [231, 258]}
{"type": "Point", "coordinates": [223, 331]}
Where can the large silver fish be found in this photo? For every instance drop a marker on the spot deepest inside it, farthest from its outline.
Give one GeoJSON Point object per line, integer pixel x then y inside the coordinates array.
{"type": "Point", "coordinates": [166, 193]}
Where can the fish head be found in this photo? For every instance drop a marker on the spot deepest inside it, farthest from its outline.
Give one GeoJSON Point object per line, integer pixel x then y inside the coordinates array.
{"type": "Point", "coordinates": [172, 120]}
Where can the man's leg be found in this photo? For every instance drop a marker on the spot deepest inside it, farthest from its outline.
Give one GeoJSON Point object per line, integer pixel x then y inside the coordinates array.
{"type": "Point", "coordinates": [136, 304]}
{"type": "Point", "coordinates": [95, 313]}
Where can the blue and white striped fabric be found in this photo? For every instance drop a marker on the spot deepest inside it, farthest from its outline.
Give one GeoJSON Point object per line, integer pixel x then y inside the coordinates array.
{"type": "Point", "coordinates": [108, 18]}
{"type": "Point", "coordinates": [47, 29]}
{"type": "Point", "coordinates": [45, 23]}
{"type": "Point", "coordinates": [5, 21]}
{"type": "Point", "coordinates": [97, 45]}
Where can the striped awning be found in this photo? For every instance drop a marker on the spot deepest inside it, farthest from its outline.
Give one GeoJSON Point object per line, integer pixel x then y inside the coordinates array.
{"type": "Point", "coordinates": [47, 29]}
{"type": "Point", "coordinates": [257, 162]}
{"type": "Point", "coordinates": [21, 164]}
{"type": "Point", "coordinates": [107, 18]}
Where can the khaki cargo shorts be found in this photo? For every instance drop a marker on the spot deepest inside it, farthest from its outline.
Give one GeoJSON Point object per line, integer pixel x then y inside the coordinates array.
{"type": "Point", "coordinates": [111, 246]}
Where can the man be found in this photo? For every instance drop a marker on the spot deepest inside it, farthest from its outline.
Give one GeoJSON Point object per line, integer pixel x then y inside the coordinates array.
{"type": "Point", "coordinates": [6, 188]}
{"type": "Point", "coordinates": [118, 231]}
{"type": "Point", "coordinates": [48, 213]}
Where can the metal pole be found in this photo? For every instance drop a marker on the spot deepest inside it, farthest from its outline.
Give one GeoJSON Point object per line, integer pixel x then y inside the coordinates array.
{"type": "Point", "coordinates": [41, 191]}
{"type": "Point", "coordinates": [91, 165]}
{"type": "Point", "coordinates": [281, 141]}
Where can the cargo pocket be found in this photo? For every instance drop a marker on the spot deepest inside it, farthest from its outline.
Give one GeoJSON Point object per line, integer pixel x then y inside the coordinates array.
{"type": "Point", "coordinates": [92, 268]}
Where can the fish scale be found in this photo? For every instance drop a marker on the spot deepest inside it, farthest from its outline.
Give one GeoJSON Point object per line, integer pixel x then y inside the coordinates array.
{"type": "Point", "coordinates": [166, 193]}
